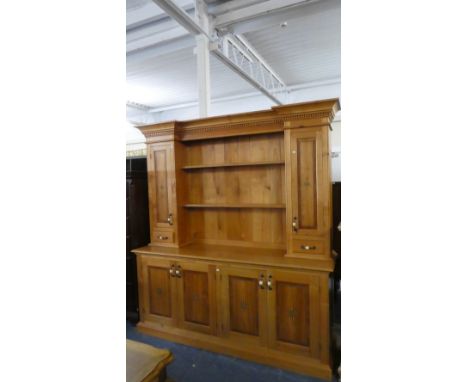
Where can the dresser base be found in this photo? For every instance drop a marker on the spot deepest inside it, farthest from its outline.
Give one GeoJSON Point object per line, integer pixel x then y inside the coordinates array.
{"type": "Point", "coordinates": [290, 362]}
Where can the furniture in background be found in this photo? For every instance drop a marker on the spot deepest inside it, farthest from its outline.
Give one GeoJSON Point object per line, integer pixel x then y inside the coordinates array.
{"type": "Point", "coordinates": [137, 227]}
{"type": "Point", "coordinates": [239, 260]}
{"type": "Point", "coordinates": [336, 279]}
{"type": "Point", "coordinates": [336, 247]}
{"type": "Point", "coordinates": [146, 363]}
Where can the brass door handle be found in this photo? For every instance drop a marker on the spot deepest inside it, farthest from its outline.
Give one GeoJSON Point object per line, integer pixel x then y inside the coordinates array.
{"type": "Point", "coordinates": [170, 219]}
{"type": "Point", "coordinates": [163, 237]}
{"type": "Point", "coordinates": [308, 247]}
{"type": "Point", "coordinates": [294, 224]}
{"type": "Point", "coordinates": [261, 282]}
{"type": "Point", "coordinates": [171, 271]}
{"type": "Point", "coordinates": [270, 283]}
{"type": "Point", "coordinates": [178, 271]}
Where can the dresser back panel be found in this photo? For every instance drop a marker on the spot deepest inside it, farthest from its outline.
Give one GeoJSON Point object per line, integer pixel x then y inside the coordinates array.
{"type": "Point", "coordinates": [254, 148]}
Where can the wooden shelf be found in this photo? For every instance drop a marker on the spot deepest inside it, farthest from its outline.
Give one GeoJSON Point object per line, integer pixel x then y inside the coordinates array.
{"type": "Point", "coordinates": [240, 164]}
{"type": "Point", "coordinates": [236, 205]}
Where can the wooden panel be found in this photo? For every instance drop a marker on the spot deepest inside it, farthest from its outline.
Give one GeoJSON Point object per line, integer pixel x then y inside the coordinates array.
{"type": "Point", "coordinates": [294, 306]}
{"type": "Point", "coordinates": [307, 182]}
{"type": "Point", "coordinates": [292, 312]}
{"type": "Point", "coordinates": [247, 185]}
{"type": "Point", "coordinates": [243, 305]}
{"type": "Point", "coordinates": [245, 149]}
{"type": "Point", "coordinates": [307, 188]}
{"type": "Point", "coordinates": [161, 184]}
{"type": "Point", "coordinates": [196, 303]}
{"type": "Point", "coordinates": [159, 291]}
{"type": "Point", "coordinates": [197, 297]}
{"type": "Point", "coordinates": [243, 227]}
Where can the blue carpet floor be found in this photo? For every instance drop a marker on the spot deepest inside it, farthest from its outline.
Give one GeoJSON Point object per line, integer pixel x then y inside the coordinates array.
{"type": "Point", "coordinates": [194, 365]}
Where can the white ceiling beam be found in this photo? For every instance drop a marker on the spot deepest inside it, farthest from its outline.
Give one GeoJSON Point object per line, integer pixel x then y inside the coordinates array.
{"type": "Point", "coordinates": [251, 49]}
{"type": "Point", "coordinates": [181, 16]}
{"type": "Point", "coordinates": [203, 61]}
{"type": "Point", "coordinates": [256, 10]}
{"type": "Point", "coordinates": [234, 54]}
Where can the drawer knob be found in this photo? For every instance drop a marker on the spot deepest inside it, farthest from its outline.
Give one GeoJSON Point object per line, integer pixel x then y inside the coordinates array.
{"type": "Point", "coordinates": [308, 247]}
{"type": "Point", "coordinates": [162, 237]}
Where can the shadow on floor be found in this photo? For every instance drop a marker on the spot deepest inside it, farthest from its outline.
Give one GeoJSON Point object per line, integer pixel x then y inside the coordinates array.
{"type": "Point", "coordinates": [194, 365]}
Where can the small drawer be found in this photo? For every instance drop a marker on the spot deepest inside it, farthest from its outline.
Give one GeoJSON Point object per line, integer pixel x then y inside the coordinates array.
{"type": "Point", "coordinates": [312, 247]}
{"type": "Point", "coordinates": [163, 236]}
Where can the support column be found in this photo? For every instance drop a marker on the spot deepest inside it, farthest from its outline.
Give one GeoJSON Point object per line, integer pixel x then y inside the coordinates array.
{"type": "Point", "coordinates": [203, 60]}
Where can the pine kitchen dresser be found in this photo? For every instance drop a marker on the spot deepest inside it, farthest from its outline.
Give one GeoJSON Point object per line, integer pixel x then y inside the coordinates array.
{"type": "Point", "coordinates": [240, 218]}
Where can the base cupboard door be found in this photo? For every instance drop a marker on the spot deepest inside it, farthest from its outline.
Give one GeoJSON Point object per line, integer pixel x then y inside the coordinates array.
{"type": "Point", "coordinates": [158, 290]}
{"type": "Point", "coordinates": [243, 304]}
{"type": "Point", "coordinates": [294, 312]}
{"type": "Point", "coordinates": [197, 296]}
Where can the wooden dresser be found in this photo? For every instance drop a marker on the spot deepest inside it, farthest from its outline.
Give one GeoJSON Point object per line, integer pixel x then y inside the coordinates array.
{"type": "Point", "coordinates": [240, 219]}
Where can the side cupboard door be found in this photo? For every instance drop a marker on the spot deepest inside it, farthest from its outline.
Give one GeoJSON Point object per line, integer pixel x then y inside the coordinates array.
{"type": "Point", "coordinates": [161, 188]}
{"type": "Point", "coordinates": [306, 172]}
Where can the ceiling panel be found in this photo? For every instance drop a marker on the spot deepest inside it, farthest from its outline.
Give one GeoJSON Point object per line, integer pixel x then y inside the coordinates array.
{"type": "Point", "coordinates": [306, 50]}
{"type": "Point", "coordinates": [172, 78]}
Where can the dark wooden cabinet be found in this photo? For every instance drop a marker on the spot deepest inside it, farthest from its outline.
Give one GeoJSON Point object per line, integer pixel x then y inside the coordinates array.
{"type": "Point", "coordinates": [137, 224]}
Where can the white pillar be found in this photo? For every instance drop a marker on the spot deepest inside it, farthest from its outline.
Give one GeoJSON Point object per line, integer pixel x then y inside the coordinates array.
{"type": "Point", "coordinates": [203, 61]}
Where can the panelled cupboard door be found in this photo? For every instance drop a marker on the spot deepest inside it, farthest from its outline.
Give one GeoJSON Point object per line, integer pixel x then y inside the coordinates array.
{"type": "Point", "coordinates": [243, 304]}
{"type": "Point", "coordinates": [161, 186]}
{"type": "Point", "coordinates": [159, 290]}
{"type": "Point", "coordinates": [307, 197]}
{"type": "Point", "coordinates": [294, 312]}
{"type": "Point", "coordinates": [197, 296]}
